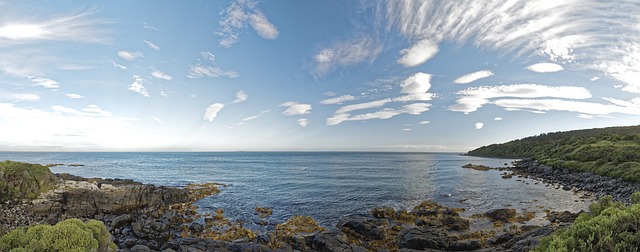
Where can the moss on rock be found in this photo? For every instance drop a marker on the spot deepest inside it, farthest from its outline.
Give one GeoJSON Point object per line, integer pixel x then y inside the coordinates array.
{"type": "Point", "coordinates": [24, 181]}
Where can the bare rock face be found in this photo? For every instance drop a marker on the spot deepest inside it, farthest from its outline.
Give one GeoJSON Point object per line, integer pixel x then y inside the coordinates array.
{"type": "Point", "coordinates": [423, 238]}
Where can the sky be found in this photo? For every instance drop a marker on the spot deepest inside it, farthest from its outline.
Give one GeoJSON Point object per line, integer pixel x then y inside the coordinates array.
{"type": "Point", "coordinates": [335, 75]}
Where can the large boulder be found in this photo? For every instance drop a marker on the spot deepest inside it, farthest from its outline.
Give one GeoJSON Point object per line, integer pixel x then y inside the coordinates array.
{"type": "Point", "coordinates": [24, 181]}
{"type": "Point", "coordinates": [330, 241]}
{"type": "Point", "coordinates": [502, 214]}
{"type": "Point", "coordinates": [368, 228]}
{"type": "Point", "coordinates": [423, 238]}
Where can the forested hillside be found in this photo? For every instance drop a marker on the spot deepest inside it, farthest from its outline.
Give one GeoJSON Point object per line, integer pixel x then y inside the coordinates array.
{"type": "Point", "coordinates": [613, 152]}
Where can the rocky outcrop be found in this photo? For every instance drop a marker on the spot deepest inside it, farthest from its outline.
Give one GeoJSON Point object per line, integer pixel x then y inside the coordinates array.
{"type": "Point", "coordinates": [566, 179]}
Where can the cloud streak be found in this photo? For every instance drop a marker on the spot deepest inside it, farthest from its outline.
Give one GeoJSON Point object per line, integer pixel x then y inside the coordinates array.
{"type": "Point", "coordinates": [138, 86]}
{"type": "Point", "coordinates": [130, 56]}
{"type": "Point", "coordinates": [338, 100]}
{"type": "Point", "coordinates": [240, 14]}
{"type": "Point", "coordinates": [346, 53]}
{"type": "Point", "coordinates": [211, 112]}
{"type": "Point", "coordinates": [78, 27]}
{"type": "Point", "coordinates": [294, 108]}
{"type": "Point", "coordinates": [472, 99]}
{"type": "Point", "coordinates": [161, 75]}
{"type": "Point", "coordinates": [471, 77]}
{"type": "Point", "coordinates": [418, 53]}
{"type": "Point", "coordinates": [545, 68]}
{"type": "Point", "coordinates": [590, 34]}
{"type": "Point", "coordinates": [240, 97]}
{"type": "Point", "coordinates": [152, 45]}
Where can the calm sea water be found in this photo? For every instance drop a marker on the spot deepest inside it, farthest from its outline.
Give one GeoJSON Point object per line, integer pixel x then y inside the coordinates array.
{"type": "Point", "coordinates": [324, 185]}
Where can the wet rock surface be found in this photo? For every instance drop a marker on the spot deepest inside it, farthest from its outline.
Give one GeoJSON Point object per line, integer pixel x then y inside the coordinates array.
{"type": "Point", "coordinates": [566, 179]}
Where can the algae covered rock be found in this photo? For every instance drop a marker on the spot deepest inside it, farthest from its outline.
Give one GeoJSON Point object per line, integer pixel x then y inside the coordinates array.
{"type": "Point", "coordinates": [24, 181]}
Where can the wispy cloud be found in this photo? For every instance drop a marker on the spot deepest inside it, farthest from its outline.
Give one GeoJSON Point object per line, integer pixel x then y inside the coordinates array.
{"type": "Point", "coordinates": [471, 77]}
{"type": "Point", "coordinates": [45, 82]}
{"type": "Point", "coordinates": [545, 68]}
{"type": "Point", "coordinates": [238, 16]}
{"type": "Point", "coordinates": [473, 98]}
{"type": "Point", "coordinates": [130, 56]}
{"type": "Point", "coordinates": [15, 97]}
{"type": "Point", "coordinates": [589, 34]}
{"type": "Point", "coordinates": [138, 87]}
{"type": "Point", "coordinates": [497, 118]}
{"type": "Point", "coordinates": [418, 53]}
{"type": "Point", "coordinates": [424, 122]}
{"type": "Point", "coordinates": [240, 97]}
{"type": "Point", "coordinates": [338, 100]}
{"type": "Point", "coordinates": [90, 110]}
{"type": "Point", "coordinates": [161, 75]}
{"type": "Point", "coordinates": [249, 118]}
{"type": "Point", "coordinates": [587, 108]}
{"type": "Point", "coordinates": [211, 112]}
{"type": "Point", "coordinates": [346, 53]}
{"type": "Point", "coordinates": [148, 26]}
{"type": "Point", "coordinates": [414, 109]}
{"type": "Point", "coordinates": [73, 96]}
{"type": "Point", "coordinates": [78, 27]}
{"type": "Point", "coordinates": [303, 122]}
{"type": "Point", "coordinates": [198, 71]}
{"type": "Point", "coordinates": [294, 108]}
{"type": "Point", "coordinates": [152, 45]}
{"type": "Point", "coordinates": [116, 65]}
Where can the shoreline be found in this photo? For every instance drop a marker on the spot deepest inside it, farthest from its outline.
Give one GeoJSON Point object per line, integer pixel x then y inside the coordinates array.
{"type": "Point", "coordinates": [157, 218]}
{"type": "Point", "coordinates": [596, 185]}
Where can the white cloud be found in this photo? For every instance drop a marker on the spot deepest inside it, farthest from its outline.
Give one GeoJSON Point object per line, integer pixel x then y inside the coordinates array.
{"type": "Point", "coordinates": [138, 87]}
{"type": "Point", "coordinates": [78, 27]}
{"type": "Point", "coordinates": [589, 34]}
{"type": "Point", "coordinates": [152, 45]}
{"type": "Point", "coordinates": [585, 116]}
{"type": "Point", "coordinates": [303, 122]}
{"type": "Point", "coordinates": [497, 118]}
{"type": "Point", "coordinates": [471, 77]}
{"type": "Point", "coordinates": [74, 96]}
{"type": "Point", "coordinates": [19, 97]}
{"type": "Point", "coordinates": [240, 97]}
{"type": "Point", "coordinates": [90, 110]}
{"type": "Point", "coordinates": [211, 112]}
{"type": "Point", "coordinates": [329, 93]}
{"type": "Point", "coordinates": [418, 83]}
{"type": "Point", "coordinates": [418, 53]}
{"type": "Point", "coordinates": [586, 108]}
{"type": "Point", "coordinates": [208, 56]}
{"type": "Point", "coordinates": [238, 16]}
{"type": "Point", "coordinates": [479, 125]}
{"type": "Point", "coordinates": [338, 100]}
{"type": "Point", "coordinates": [262, 26]}
{"type": "Point", "coordinates": [424, 122]}
{"type": "Point", "coordinates": [163, 93]}
{"type": "Point", "coordinates": [160, 75]}
{"type": "Point", "coordinates": [130, 56]}
{"type": "Point", "coordinates": [150, 27]}
{"type": "Point", "coordinates": [545, 67]}
{"type": "Point", "coordinates": [346, 53]}
{"type": "Point", "coordinates": [44, 82]}
{"type": "Point", "coordinates": [594, 78]}
{"type": "Point", "coordinates": [473, 98]}
{"type": "Point", "coordinates": [413, 109]}
{"type": "Point", "coordinates": [256, 116]}
{"type": "Point", "coordinates": [294, 108]}
{"type": "Point", "coordinates": [158, 120]}
{"type": "Point", "coordinates": [121, 67]}
{"type": "Point", "coordinates": [406, 129]}
{"type": "Point", "coordinates": [199, 71]}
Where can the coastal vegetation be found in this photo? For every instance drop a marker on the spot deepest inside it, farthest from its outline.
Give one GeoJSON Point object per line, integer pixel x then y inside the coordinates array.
{"type": "Point", "coordinates": [612, 152]}
{"type": "Point", "coordinates": [68, 235]}
{"type": "Point", "coordinates": [609, 226]}
{"type": "Point", "coordinates": [23, 180]}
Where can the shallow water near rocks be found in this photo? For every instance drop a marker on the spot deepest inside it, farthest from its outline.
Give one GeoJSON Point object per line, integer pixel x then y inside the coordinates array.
{"type": "Point", "coordinates": [324, 185]}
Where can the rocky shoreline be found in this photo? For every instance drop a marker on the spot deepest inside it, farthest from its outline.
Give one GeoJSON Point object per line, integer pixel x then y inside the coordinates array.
{"type": "Point", "coordinates": [565, 179]}
{"type": "Point", "coordinates": [143, 217]}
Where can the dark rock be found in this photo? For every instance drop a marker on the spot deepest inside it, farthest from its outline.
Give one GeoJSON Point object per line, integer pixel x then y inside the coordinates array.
{"type": "Point", "coordinates": [329, 241]}
{"type": "Point", "coordinates": [140, 248]}
{"type": "Point", "coordinates": [423, 238]}
{"type": "Point", "coordinates": [528, 240]}
{"type": "Point", "coordinates": [367, 227]}
{"type": "Point", "coordinates": [456, 223]}
{"type": "Point", "coordinates": [503, 214]}
{"type": "Point", "coordinates": [121, 220]}
{"type": "Point", "coordinates": [383, 212]}
{"type": "Point", "coordinates": [196, 227]}
{"type": "Point", "coordinates": [566, 188]}
{"type": "Point", "coordinates": [499, 239]}
{"type": "Point", "coordinates": [465, 245]}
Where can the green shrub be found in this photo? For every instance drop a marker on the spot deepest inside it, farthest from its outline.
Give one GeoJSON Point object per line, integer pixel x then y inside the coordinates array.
{"type": "Point", "coordinates": [68, 235]}
{"type": "Point", "coordinates": [610, 226]}
{"type": "Point", "coordinates": [23, 180]}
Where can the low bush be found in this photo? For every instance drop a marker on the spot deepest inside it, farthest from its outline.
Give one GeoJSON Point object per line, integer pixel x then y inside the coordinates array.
{"type": "Point", "coordinates": [609, 226]}
{"type": "Point", "coordinates": [69, 235]}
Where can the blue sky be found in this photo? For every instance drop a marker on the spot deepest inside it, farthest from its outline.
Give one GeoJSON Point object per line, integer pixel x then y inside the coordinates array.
{"type": "Point", "coordinates": [312, 75]}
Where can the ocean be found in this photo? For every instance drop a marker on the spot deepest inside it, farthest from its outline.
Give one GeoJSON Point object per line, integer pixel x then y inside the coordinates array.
{"type": "Point", "coordinates": [324, 185]}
